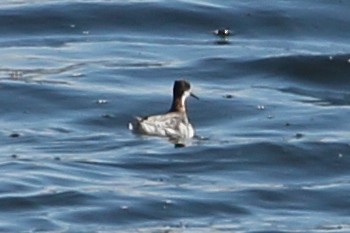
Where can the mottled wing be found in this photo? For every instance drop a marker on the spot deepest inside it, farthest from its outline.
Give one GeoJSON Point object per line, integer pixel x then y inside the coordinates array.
{"type": "Point", "coordinates": [162, 125]}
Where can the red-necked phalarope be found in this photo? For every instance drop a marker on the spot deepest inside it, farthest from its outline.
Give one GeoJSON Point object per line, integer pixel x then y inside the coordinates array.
{"type": "Point", "coordinates": [174, 123]}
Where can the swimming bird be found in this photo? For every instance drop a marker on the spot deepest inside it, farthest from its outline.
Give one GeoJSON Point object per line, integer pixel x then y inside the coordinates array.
{"type": "Point", "coordinates": [222, 32]}
{"type": "Point", "coordinates": [174, 123]}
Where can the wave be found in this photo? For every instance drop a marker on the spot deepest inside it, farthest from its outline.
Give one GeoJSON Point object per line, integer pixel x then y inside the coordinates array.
{"type": "Point", "coordinates": [328, 69]}
{"type": "Point", "coordinates": [308, 69]}
{"type": "Point", "coordinates": [249, 20]}
{"type": "Point", "coordinates": [70, 17]}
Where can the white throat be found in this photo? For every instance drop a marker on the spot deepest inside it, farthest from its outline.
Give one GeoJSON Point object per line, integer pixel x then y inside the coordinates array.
{"type": "Point", "coordinates": [184, 97]}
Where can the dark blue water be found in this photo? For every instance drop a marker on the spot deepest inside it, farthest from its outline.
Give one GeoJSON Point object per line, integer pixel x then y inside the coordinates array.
{"type": "Point", "coordinates": [273, 152]}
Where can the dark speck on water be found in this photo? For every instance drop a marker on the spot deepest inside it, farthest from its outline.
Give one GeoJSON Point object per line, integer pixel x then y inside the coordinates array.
{"type": "Point", "coordinates": [108, 116]}
{"type": "Point", "coordinates": [14, 135]}
{"type": "Point", "coordinates": [73, 74]}
{"type": "Point", "coordinates": [228, 96]}
{"type": "Point", "coordinates": [223, 32]}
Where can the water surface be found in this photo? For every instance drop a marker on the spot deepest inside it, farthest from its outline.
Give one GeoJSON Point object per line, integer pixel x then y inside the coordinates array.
{"type": "Point", "coordinates": [273, 151]}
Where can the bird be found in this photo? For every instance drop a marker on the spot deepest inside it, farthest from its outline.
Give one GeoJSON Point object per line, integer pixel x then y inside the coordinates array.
{"type": "Point", "coordinates": [222, 32]}
{"type": "Point", "coordinates": [173, 124]}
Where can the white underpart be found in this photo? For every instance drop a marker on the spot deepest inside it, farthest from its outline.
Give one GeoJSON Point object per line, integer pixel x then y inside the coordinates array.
{"type": "Point", "coordinates": [173, 125]}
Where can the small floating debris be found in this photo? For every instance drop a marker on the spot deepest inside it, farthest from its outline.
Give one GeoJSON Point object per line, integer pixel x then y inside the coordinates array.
{"type": "Point", "coordinates": [101, 101]}
{"type": "Point", "coordinates": [14, 156]}
{"type": "Point", "coordinates": [108, 116]}
{"type": "Point", "coordinates": [169, 202]}
{"type": "Point", "coordinates": [260, 107]}
{"type": "Point", "coordinates": [77, 75]}
{"type": "Point", "coordinates": [72, 25]}
{"type": "Point", "coordinates": [330, 58]}
{"type": "Point", "coordinates": [202, 138]}
{"type": "Point", "coordinates": [124, 207]}
{"type": "Point", "coordinates": [287, 124]}
{"type": "Point", "coordinates": [228, 96]}
{"type": "Point", "coordinates": [14, 135]}
{"type": "Point", "coordinates": [340, 155]}
{"type": "Point", "coordinates": [299, 135]}
{"type": "Point", "coordinates": [222, 32]}
{"type": "Point", "coordinates": [16, 74]}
